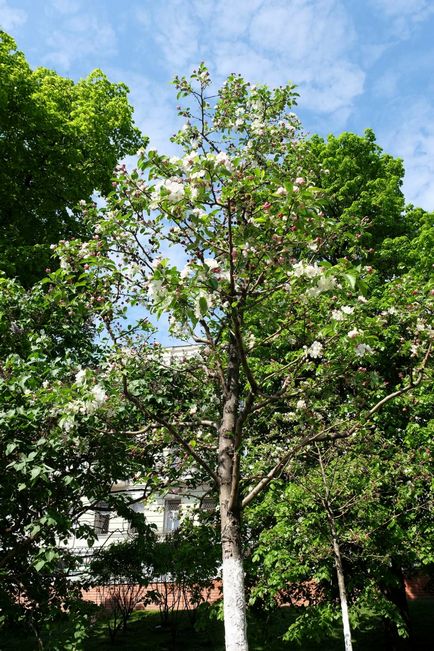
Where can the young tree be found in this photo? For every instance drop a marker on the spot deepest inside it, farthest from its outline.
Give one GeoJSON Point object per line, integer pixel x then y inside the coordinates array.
{"type": "Point", "coordinates": [278, 314]}
{"type": "Point", "coordinates": [60, 142]}
{"type": "Point", "coordinates": [345, 516]}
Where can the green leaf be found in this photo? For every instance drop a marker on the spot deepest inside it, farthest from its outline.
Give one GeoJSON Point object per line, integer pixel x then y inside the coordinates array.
{"type": "Point", "coordinates": [203, 305]}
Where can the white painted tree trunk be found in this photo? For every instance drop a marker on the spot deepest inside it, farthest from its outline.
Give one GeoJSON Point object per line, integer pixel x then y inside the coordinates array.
{"type": "Point", "coordinates": [234, 600]}
{"type": "Point", "coordinates": [342, 596]}
{"type": "Point", "coordinates": [234, 605]}
{"type": "Point", "coordinates": [338, 559]}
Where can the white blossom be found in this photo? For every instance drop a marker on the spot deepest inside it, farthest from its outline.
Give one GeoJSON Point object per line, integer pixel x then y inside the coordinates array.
{"type": "Point", "coordinates": [281, 191]}
{"type": "Point", "coordinates": [346, 309]}
{"type": "Point", "coordinates": [67, 423]}
{"type": "Point", "coordinates": [197, 175]}
{"type": "Point", "coordinates": [315, 350]}
{"type": "Point", "coordinates": [301, 268]}
{"type": "Point", "coordinates": [80, 377]}
{"type": "Point", "coordinates": [175, 189]}
{"type": "Point", "coordinates": [211, 263]}
{"type": "Point", "coordinates": [155, 289]}
{"type": "Point", "coordinates": [99, 396]}
{"type": "Point", "coordinates": [258, 126]}
{"type": "Point", "coordinates": [301, 404]}
{"type": "Point", "coordinates": [353, 333]}
{"type": "Point", "coordinates": [326, 283]}
{"type": "Point", "coordinates": [337, 315]}
{"type": "Point", "coordinates": [222, 158]}
{"type": "Point", "coordinates": [188, 160]}
{"type": "Point", "coordinates": [362, 349]}
{"type": "Point", "coordinates": [64, 264]}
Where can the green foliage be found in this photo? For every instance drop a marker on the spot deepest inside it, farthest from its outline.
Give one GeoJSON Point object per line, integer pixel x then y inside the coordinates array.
{"type": "Point", "coordinates": [60, 445]}
{"type": "Point", "coordinates": [175, 573]}
{"type": "Point", "coordinates": [60, 142]}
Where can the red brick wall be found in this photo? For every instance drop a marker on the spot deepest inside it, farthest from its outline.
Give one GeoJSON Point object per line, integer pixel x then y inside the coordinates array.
{"type": "Point", "coordinates": [101, 595]}
{"type": "Point", "coordinates": [417, 587]}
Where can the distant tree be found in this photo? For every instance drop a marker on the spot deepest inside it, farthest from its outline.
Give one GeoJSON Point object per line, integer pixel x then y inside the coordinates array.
{"type": "Point", "coordinates": [175, 573]}
{"type": "Point", "coordinates": [59, 143]}
{"type": "Point", "coordinates": [347, 518]}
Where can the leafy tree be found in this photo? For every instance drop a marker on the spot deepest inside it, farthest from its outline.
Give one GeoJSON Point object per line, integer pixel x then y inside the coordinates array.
{"type": "Point", "coordinates": [61, 444]}
{"type": "Point", "coordinates": [175, 573]}
{"type": "Point", "coordinates": [287, 335]}
{"type": "Point", "coordinates": [353, 507]}
{"type": "Point", "coordinates": [59, 143]}
{"type": "Point", "coordinates": [122, 572]}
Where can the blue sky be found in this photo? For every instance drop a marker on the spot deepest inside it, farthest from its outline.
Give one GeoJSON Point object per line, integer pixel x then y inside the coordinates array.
{"type": "Point", "coordinates": [358, 63]}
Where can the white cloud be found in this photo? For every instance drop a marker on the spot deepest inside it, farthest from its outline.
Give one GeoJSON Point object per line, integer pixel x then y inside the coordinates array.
{"type": "Point", "coordinates": [154, 106]}
{"type": "Point", "coordinates": [404, 15]}
{"type": "Point", "coordinates": [10, 17]}
{"type": "Point", "coordinates": [66, 6]}
{"type": "Point", "coordinates": [80, 37]}
{"type": "Point", "coordinates": [309, 42]}
{"type": "Point", "coordinates": [177, 34]}
{"type": "Point", "coordinates": [412, 138]}
{"type": "Point", "coordinates": [307, 30]}
{"type": "Point", "coordinates": [231, 20]}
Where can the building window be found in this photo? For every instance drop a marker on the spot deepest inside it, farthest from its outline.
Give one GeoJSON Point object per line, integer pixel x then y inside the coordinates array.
{"type": "Point", "coordinates": [171, 515]}
{"type": "Point", "coordinates": [208, 504]}
{"type": "Point", "coordinates": [102, 518]}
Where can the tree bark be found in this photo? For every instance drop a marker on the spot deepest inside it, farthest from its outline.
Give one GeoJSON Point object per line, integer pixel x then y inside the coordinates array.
{"type": "Point", "coordinates": [342, 593]}
{"type": "Point", "coordinates": [395, 592]}
{"type": "Point", "coordinates": [338, 559]}
{"type": "Point", "coordinates": [234, 601]}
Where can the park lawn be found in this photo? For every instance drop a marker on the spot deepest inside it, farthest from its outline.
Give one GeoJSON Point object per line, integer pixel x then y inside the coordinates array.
{"type": "Point", "coordinates": [265, 634]}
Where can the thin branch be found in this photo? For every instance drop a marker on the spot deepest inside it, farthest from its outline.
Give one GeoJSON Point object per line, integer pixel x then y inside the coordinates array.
{"type": "Point", "coordinates": [323, 436]}
{"type": "Point", "coordinates": [171, 429]}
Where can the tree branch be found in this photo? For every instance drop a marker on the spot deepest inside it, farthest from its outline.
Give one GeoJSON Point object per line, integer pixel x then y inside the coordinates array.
{"type": "Point", "coordinates": [171, 429]}
{"type": "Point", "coordinates": [322, 436]}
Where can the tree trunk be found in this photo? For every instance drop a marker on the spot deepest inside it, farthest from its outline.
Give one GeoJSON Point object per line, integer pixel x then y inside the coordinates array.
{"type": "Point", "coordinates": [342, 594]}
{"type": "Point", "coordinates": [395, 593]}
{"type": "Point", "coordinates": [234, 600]}
{"type": "Point", "coordinates": [338, 559]}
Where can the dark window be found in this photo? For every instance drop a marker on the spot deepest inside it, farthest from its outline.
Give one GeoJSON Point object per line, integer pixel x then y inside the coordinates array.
{"type": "Point", "coordinates": [102, 518]}
{"type": "Point", "coordinates": [208, 504]}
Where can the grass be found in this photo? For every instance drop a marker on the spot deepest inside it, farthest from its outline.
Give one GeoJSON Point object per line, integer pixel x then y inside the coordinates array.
{"type": "Point", "coordinates": [265, 634]}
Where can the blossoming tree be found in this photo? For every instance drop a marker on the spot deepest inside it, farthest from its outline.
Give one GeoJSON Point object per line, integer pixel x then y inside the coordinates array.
{"type": "Point", "coordinates": [261, 288]}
